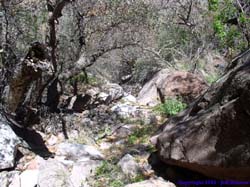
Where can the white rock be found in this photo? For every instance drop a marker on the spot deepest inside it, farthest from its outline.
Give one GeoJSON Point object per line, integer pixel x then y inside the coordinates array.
{"type": "Point", "coordinates": [129, 166]}
{"type": "Point", "coordinates": [81, 171]}
{"type": "Point", "coordinates": [52, 140]}
{"type": "Point", "coordinates": [29, 178]}
{"type": "Point", "coordinates": [78, 152]}
{"type": "Point", "coordinates": [114, 91]}
{"type": "Point", "coordinates": [126, 110]}
{"type": "Point", "coordinates": [53, 174]}
{"type": "Point", "coordinates": [105, 145]}
{"type": "Point", "coordinates": [7, 178]}
{"type": "Point", "coordinates": [16, 181]}
{"type": "Point", "coordinates": [8, 145]}
{"type": "Point", "coordinates": [129, 98]}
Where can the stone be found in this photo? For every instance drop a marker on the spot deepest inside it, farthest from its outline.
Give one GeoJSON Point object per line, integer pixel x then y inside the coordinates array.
{"type": "Point", "coordinates": [123, 131]}
{"type": "Point", "coordinates": [52, 173]}
{"type": "Point", "coordinates": [129, 99]}
{"type": "Point", "coordinates": [78, 152]}
{"type": "Point", "coordinates": [105, 145]}
{"type": "Point", "coordinates": [167, 84]}
{"type": "Point", "coordinates": [159, 182]}
{"type": "Point", "coordinates": [29, 178]}
{"type": "Point", "coordinates": [7, 179]}
{"type": "Point", "coordinates": [212, 136]}
{"type": "Point", "coordinates": [16, 181]}
{"type": "Point", "coordinates": [129, 166]}
{"type": "Point", "coordinates": [8, 144]}
{"type": "Point", "coordinates": [126, 110]}
{"type": "Point", "coordinates": [82, 171]}
{"type": "Point", "coordinates": [113, 92]}
{"type": "Point", "coordinates": [52, 140]}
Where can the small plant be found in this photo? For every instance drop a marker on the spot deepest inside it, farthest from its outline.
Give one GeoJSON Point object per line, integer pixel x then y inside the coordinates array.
{"type": "Point", "coordinates": [138, 178]}
{"type": "Point", "coordinates": [140, 135]}
{"type": "Point", "coordinates": [211, 78]}
{"type": "Point", "coordinates": [108, 174]}
{"type": "Point", "coordinates": [116, 183]}
{"type": "Point", "coordinates": [103, 169]}
{"type": "Point", "coordinates": [132, 139]}
{"type": "Point", "coordinates": [171, 107]}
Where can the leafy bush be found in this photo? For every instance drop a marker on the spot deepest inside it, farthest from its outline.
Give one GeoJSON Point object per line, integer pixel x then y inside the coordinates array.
{"type": "Point", "coordinates": [171, 107]}
{"type": "Point", "coordinates": [231, 24]}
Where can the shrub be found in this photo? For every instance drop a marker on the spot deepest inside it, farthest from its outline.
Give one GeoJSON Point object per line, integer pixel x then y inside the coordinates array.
{"type": "Point", "coordinates": [171, 107]}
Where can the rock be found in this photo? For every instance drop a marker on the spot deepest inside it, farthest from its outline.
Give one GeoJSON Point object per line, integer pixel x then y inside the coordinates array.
{"type": "Point", "coordinates": [123, 131]}
{"type": "Point", "coordinates": [167, 84]}
{"type": "Point", "coordinates": [103, 97]}
{"type": "Point", "coordinates": [53, 174]}
{"type": "Point", "coordinates": [7, 179]}
{"type": "Point", "coordinates": [129, 166]}
{"type": "Point", "coordinates": [129, 99]}
{"type": "Point", "coordinates": [81, 171]}
{"type": "Point", "coordinates": [113, 92]}
{"type": "Point", "coordinates": [126, 110]}
{"type": "Point", "coordinates": [105, 145]}
{"type": "Point", "coordinates": [78, 152]}
{"type": "Point", "coordinates": [159, 182]}
{"type": "Point", "coordinates": [15, 182]}
{"type": "Point", "coordinates": [29, 178]}
{"type": "Point", "coordinates": [212, 135]}
{"type": "Point", "coordinates": [52, 140]}
{"type": "Point", "coordinates": [8, 144]}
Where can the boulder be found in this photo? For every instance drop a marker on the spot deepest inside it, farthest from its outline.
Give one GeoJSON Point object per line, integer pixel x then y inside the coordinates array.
{"type": "Point", "coordinates": [126, 110]}
{"type": "Point", "coordinates": [81, 171]}
{"type": "Point", "coordinates": [159, 182]}
{"type": "Point", "coordinates": [212, 136]}
{"type": "Point", "coordinates": [52, 173]}
{"type": "Point", "coordinates": [167, 84]}
{"type": "Point", "coordinates": [7, 179]}
{"type": "Point", "coordinates": [112, 91]}
{"type": "Point", "coordinates": [8, 144]}
{"type": "Point", "coordinates": [78, 152]}
{"type": "Point", "coordinates": [29, 178]}
{"type": "Point", "coordinates": [129, 166]}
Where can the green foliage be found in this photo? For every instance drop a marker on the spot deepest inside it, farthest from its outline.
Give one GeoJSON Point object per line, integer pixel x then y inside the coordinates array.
{"type": "Point", "coordinates": [81, 77]}
{"type": "Point", "coordinates": [107, 174]}
{"type": "Point", "coordinates": [230, 35]}
{"type": "Point", "coordinates": [213, 5]}
{"type": "Point", "coordinates": [140, 135]}
{"type": "Point", "coordinates": [170, 107]}
{"type": "Point", "coordinates": [211, 78]}
{"type": "Point", "coordinates": [138, 178]}
{"type": "Point", "coordinates": [103, 169]}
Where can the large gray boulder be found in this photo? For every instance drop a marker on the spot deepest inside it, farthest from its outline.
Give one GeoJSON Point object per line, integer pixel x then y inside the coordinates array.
{"type": "Point", "coordinates": [212, 135]}
{"type": "Point", "coordinates": [52, 173]}
{"type": "Point", "coordinates": [82, 171]}
{"type": "Point", "coordinates": [8, 144]}
{"type": "Point", "coordinates": [78, 152]}
{"type": "Point", "coordinates": [129, 166]}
